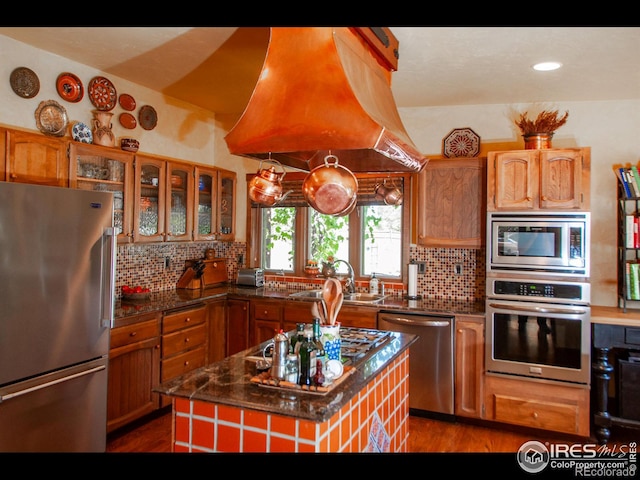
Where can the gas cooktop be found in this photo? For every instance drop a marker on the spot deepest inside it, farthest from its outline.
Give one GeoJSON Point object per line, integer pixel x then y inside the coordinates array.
{"type": "Point", "coordinates": [355, 343]}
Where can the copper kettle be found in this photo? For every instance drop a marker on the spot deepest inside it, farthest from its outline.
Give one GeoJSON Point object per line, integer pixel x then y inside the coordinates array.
{"type": "Point", "coordinates": [266, 186]}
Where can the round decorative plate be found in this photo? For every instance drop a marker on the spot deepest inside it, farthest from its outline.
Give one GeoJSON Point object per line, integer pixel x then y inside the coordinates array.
{"type": "Point", "coordinates": [24, 82]}
{"type": "Point", "coordinates": [51, 118]}
{"type": "Point", "coordinates": [461, 142]}
{"type": "Point", "coordinates": [127, 120]}
{"type": "Point", "coordinates": [81, 133]}
{"type": "Point", "coordinates": [148, 117]}
{"type": "Point", "coordinates": [127, 102]}
{"type": "Point", "coordinates": [69, 87]}
{"type": "Point", "coordinates": [102, 93]}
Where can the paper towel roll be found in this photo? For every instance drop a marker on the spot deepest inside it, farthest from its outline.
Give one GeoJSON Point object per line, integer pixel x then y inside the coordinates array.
{"type": "Point", "coordinates": [413, 280]}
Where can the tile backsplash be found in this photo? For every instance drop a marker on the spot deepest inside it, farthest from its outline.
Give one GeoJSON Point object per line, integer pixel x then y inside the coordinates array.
{"type": "Point", "coordinates": [158, 266]}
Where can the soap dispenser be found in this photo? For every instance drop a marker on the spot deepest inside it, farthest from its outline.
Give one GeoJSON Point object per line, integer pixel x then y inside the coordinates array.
{"type": "Point", "coordinates": [374, 284]}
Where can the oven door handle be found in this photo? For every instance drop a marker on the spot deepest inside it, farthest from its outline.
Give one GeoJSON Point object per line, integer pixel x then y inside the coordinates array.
{"type": "Point", "coordinates": [419, 321]}
{"type": "Point", "coordinates": [538, 309]}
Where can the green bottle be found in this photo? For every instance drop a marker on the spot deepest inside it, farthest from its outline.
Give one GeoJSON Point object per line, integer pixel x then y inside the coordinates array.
{"type": "Point", "coordinates": [307, 353]}
{"type": "Point", "coordinates": [296, 338]}
{"type": "Point", "coordinates": [317, 334]}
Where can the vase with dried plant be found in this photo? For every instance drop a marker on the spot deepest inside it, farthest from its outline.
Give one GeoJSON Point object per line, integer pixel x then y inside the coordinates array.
{"type": "Point", "coordinates": [538, 133]}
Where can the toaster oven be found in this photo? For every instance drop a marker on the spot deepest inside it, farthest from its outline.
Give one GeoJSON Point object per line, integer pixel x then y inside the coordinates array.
{"type": "Point", "coordinates": [253, 277]}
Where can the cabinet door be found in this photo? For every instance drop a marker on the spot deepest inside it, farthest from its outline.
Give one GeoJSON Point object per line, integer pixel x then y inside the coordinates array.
{"type": "Point", "coordinates": [357, 317]}
{"type": "Point", "coordinates": [34, 158]}
{"type": "Point", "coordinates": [561, 184]}
{"type": "Point", "coordinates": [149, 198]}
{"type": "Point", "coordinates": [226, 205]}
{"type": "Point", "coordinates": [451, 203]}
{"type": "Point", "coordinates": [3, 154]}
{"type": "Point", "coordinates": [265, 320]}
{"type": "Point", "coordinates": [93, 167]}
{"type": "Point", "coordinates": [294, 313]}
{"type": "Point", "coordinates": [469, 365]}
{"type": "Point", "coordinates": [237, 326]}
{"type": "Point", "coordinates": [512, 180]}
{"type": "Point", "coordinates": [134, 371]}
{"type": "Point", "coordinates": [216, 314]}
{"type": "Point", "coordinates": [179, 208]}
{"type": "Point", "coordinates": [205, 220]}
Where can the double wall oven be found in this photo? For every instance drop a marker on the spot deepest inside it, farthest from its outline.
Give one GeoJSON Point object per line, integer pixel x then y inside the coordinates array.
{"type": "Point", "coordinates": [538, 296]}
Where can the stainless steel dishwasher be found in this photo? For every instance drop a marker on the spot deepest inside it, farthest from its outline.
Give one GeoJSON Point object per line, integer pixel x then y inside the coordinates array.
{"type": "Point", "coordinates": [430, 359]}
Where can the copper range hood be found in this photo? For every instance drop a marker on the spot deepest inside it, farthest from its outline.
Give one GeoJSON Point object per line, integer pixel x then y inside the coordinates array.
{"type": "Point", "coordinates": [321, 91]}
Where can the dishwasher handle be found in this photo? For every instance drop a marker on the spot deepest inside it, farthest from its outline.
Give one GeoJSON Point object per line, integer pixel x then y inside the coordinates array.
{"type": "Point", "coordinates": [417, 321]}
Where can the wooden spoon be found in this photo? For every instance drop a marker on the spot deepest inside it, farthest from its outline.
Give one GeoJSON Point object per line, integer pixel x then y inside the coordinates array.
{"type": "Point", "coordinates": [337, 293]}
{"type": "Point", "coordinates": [336, 308]}
{"type": "Point", "coordinates": [329, 293]}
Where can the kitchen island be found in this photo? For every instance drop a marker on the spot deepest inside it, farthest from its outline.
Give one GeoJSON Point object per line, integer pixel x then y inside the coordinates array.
{"type": "Point", "coordinates": [217, 408]}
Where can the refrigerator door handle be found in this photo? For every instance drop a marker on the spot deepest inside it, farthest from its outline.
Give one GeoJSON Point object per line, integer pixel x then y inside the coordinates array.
{"type": "Point", "coordinates": [40, 386]}
{"type": "Point", "coordinates": [109, 276]}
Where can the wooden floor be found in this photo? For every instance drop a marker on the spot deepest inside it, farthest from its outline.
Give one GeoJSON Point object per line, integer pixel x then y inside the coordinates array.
{"type": "Point", "coordinates": [425, 435]}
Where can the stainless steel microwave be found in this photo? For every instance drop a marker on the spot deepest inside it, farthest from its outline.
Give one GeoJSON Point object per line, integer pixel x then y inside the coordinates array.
{"type": "Point", "coordinates": [546, 243]}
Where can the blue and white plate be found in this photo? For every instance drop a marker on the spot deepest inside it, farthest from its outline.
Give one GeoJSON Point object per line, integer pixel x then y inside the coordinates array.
{"type": "Point", "coordinates": [81, 133]}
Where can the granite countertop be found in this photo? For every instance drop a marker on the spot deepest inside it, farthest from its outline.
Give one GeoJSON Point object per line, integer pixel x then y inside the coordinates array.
{"type": "Point", "coordinates": [170, 299]}
{"type": "Point", "coordinates": [228, 382]}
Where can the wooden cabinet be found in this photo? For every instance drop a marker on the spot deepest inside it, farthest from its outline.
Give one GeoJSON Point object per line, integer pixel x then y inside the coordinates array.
{"type": "Point", "coordinates": [216, 318]}
{"type": "Point", "coordinates": [536, 404]}
{"type": "Point", "coordinates": [214, 204]}
{"type": "Point", "coordinates": [184, 342]}
{"type": "Point", "coordinates": [163, 193]}
{"type": "Point", "coordinates": [134, 369]}
{"type": "Point", "coordinates": [3, 154]}
{"type": "Point", "coordinates": [93, 167]}
{"type": "Point", "coordinates": [36, 158]}
{"type": "Point", "coordinates": [469, 365]}
{"type": "Point", "coordinates": [357, 317]}
{"type": "Point", "coordinates": [539, 179]}
{"type": "Point", "coordinates": [265, 320]}
{"type": "Point", "coordinates": [294, 313]}
{"type": "Point", "coordinates": [452, 203]}
{"type": "Point", "coordinates": [237, 324]}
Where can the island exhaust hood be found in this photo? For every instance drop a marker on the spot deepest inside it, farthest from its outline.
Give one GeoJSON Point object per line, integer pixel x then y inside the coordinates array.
{"type": "Point", "coordinates": [323, 91]}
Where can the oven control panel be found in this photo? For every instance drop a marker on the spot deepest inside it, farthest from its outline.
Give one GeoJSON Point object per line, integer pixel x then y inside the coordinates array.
{"type": "Point", "coordinates": [551, 290]}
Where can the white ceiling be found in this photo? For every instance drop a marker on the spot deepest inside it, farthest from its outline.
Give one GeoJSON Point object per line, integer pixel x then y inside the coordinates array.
{"type": "Point", "coordinates": [217, 67]}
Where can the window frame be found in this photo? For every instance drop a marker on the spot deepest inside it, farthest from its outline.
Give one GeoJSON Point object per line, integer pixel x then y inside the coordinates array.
{"type": "Point", "coordinates": [254, 224]}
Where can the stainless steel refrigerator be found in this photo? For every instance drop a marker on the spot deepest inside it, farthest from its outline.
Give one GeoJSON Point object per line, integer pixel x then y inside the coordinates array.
{"type": "Point", "coordinates": [57, 271]}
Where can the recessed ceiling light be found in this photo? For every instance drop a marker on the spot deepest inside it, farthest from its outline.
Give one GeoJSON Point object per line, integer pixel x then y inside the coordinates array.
{"type": "Point", "coordinates": [547, 66]}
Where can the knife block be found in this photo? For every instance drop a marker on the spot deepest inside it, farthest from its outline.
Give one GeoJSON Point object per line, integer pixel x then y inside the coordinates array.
{"type": "Point", "coordinates": [215, 272]}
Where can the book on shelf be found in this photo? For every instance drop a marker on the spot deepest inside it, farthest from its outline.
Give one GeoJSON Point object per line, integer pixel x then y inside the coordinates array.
{"type": "Point", "coordinates": [636, 176]}
{"type": "Point", "coordinates": [627, 280]}
{"type": "Point", "coordinates": [633, 182]}
{"type": "Point", "coordinates": [622, 176]}
{"type": "Point", "coordinates": [634, 280]}
{"type": "Point", "coordinates": [629, 230]}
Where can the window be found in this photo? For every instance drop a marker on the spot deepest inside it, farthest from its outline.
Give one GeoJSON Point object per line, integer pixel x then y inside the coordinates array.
{"type": "Point", "coordinates": [373, 238]}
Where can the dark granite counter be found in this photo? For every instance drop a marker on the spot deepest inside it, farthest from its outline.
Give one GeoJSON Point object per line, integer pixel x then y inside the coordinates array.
{"type": "Point", "coordinates": [171, 299]}
{"type": "Point", "coordinates": [228, 382]}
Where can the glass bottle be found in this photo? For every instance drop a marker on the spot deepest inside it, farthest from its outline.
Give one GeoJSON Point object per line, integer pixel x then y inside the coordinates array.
{"type": "Point", "coordinates": [296, 338]}
{"type": "Point", "coordinates": [374, 284]}
{"type": "Point", "coordinates": [317, 334]}
{"type": "Point", "coordinates": [307, 354]}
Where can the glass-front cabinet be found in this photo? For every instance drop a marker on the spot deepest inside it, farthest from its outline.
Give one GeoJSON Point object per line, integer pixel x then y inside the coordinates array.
{"type": "Point", "coordinates": [215, 206]}
{"type": "Point", "coordinates": [93, 167]}
{"type": "Point", "coordinates": [149, 194]}
{"type": "Point", "coordinates": [179, 207]}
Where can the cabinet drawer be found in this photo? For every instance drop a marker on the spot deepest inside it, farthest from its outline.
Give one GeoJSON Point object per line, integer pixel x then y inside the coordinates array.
{"type": "Point", "coordinates": [535, 413]}
{"type": "Point", "coordinates": [136, 332]}
{"type": "Point", "coordinates": [267, 310]}
{"type": "Point", "coordinates": [183, 363]}
{"type": "Point", "coordinates": [185, 339]}
{"type": "Point", "coordinates": [184, 318]}
{"type": "Point", "coordinates": [632, 336]}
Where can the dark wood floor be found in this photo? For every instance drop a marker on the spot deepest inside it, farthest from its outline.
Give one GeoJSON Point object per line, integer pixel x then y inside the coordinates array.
{"type": "Point", "coordinates": [153, 434]}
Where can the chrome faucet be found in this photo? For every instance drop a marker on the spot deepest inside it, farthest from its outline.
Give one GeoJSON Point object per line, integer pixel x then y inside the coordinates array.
{"type": "Point", "coordinates": [350, 284]}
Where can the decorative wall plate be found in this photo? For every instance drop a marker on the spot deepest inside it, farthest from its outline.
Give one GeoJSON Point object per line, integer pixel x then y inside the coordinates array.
{"type": "Point", "coordinates": [127, 120]}
{"type": "Point", "coordinates": [51, 118]}
{"type": "Point", "coordinates": [69, 87]}
{"type": "Point", "coordinates": [148, 117]}
{"type": "Point", "coordinates": [102, 93]}
{"type": "Point", "coordinates": [461, 142]}
{"type": "Point", "coordinates": [81, 133]}
{"type": "Point", "coordinates": [24, 82]}
{"type": "Point", "coordinates": [127, 102]}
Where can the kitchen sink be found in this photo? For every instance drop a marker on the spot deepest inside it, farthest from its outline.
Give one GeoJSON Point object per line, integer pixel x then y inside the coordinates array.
{"type": "Point", "coordinates": [348, 297]}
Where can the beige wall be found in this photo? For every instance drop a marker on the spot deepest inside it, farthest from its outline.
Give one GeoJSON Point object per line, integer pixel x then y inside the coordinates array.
{"type": "Point", "coordinates": [611, 129]}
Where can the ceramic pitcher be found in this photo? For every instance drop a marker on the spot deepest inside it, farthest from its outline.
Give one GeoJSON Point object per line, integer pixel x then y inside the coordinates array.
{"type": "Point", "coordinates": [102, 134]}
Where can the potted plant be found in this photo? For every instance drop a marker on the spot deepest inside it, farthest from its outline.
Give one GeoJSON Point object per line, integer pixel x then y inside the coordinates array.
{"type": "Point", "coordinates": [539, 132]}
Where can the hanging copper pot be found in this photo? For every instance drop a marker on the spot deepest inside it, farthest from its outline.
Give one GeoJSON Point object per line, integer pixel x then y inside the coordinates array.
{"type": "Point", "coordinates": [266, 187]}
{"type": "Point", "coordinates": [331, 189]}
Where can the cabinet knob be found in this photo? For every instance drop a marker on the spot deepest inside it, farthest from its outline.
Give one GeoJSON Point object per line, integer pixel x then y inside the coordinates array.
{"type": "Point", "coordinates": [187, 320]}
{"type": "Point", "coordinates": [187, 340]}
{"type": "Point", "coordinates": [535, 415]}
{"type": "Point", "coordinates": [133, 334]}
{"type": "Point", "coordinates": [13, 175]}
{"type": "Point", "coordinates": [186, 364]}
